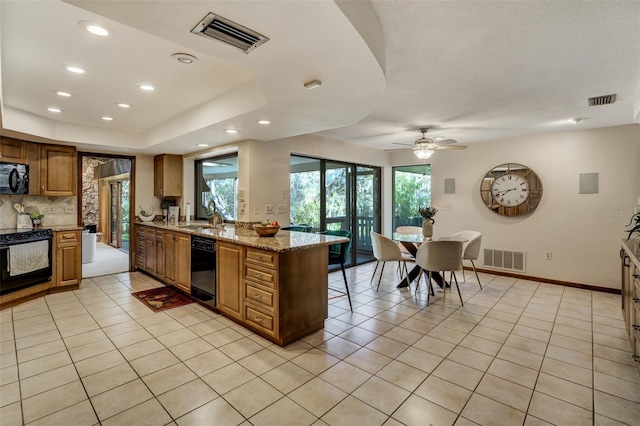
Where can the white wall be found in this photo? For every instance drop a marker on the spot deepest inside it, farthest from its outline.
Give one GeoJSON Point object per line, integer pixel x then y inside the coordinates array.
{"type": "Point", "coordinates": [144, 185]}
{"type": "Point", "coordinates": [583, 232]}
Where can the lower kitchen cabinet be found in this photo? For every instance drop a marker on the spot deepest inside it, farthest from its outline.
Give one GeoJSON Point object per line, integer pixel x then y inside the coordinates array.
{"type": "Point", "coordinates": [229, 279]}
{"type": "Point", "coordinates": [68, 258]}
{"type": "Point", "coordinates": [631, 295]}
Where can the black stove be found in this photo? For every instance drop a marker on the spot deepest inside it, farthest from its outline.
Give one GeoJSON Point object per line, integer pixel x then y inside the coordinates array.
{"type": "Point", "coordinates": [12, 236]}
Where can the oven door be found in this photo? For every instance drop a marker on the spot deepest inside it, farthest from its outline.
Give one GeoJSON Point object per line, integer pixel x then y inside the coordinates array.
{"type": "Point", "coordinates": [10, 283]}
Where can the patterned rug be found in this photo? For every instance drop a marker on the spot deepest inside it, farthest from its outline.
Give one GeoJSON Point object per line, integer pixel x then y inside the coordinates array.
{"type": "Point", "coordinates": [162, 298]}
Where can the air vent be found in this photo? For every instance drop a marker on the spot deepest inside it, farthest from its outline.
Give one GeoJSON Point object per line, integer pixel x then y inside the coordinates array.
{"type": "Point", "coordinates": [224, 30]}
{"type": "Point", "coordinates": [505, 259]}
{"type": "Point", "coordinates": [602, 100]}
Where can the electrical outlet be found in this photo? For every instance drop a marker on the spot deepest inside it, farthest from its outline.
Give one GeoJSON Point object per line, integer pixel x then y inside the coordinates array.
{"type": "Point", "coordinates": [70, 209]}
{"type": "Point", "coordinates": [268, 208]}
{"type": "Point", "coordinates": [547, 255]}
{"type": "Point", "coordinates": [447, 207]}
{"type": "Point", "coordinates": [51, 210]}
{"type": "Point", "coordinates": [281, 208]}
{"type": "Point", "coordinates": [285, 194]}
{"type": "Point", "coordinates": [256, 209]}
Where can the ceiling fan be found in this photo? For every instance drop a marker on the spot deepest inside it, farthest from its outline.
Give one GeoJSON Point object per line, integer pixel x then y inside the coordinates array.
{"type": "Point", "coordinates": [424, 147]}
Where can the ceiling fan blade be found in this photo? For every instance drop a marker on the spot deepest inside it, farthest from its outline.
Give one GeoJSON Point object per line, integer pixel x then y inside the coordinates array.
{"type": "Point", "coordinates": [451, 147]}
{"type": "Point", "coordinates": [400, 143]}
{"type": "Point", "coordinates": [446, 142]}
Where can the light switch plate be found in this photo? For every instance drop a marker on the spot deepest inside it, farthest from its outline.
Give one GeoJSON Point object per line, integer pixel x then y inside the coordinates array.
{"type": "Point", "coordinates": [256, 209]}
{"type": "Point", "coordinates": [268, 208]}
{"type": "Point", "coordinates": [281, 208]}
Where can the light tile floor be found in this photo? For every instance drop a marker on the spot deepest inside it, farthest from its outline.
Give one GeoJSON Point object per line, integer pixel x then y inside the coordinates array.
{"type": "Point", "coordinates": [517, 353]}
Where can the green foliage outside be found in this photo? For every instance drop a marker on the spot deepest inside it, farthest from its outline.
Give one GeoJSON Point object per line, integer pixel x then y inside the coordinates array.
{"type": "Point", "coordinates": [412, 190]}
{"type": "Point", "coordinates": [223, 191]}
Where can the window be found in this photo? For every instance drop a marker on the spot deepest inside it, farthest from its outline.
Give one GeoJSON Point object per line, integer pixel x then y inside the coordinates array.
{"type": "Point", "coordinates": [217, 184]}
{"type": "Point", "coordinates": [411, 190]}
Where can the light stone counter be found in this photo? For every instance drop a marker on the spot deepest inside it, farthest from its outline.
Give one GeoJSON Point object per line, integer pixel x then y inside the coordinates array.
{"type": "Point", "coordinates": [283, 241]}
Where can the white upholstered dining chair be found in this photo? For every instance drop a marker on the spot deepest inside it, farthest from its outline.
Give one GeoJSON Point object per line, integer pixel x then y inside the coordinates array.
{"type": "Point", "coordinates": [384, 250]}
{"type": "Point", "coordinates": [444, 256]}
{"type": "Point", "coordinates": [407, 230]}
{"type": "Point", "coordinates": [470, 250]}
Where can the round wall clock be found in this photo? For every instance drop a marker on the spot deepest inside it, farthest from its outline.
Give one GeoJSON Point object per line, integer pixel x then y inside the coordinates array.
{"type": "Point", "coordinates": [511, 189]}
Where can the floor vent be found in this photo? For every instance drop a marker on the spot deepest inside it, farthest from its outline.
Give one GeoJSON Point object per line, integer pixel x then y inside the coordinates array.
{"type": "Point", "coordinates": [505, 259]}
{"type": "Point", "coordinates": [602, 100]}
{"type": "Point", "coordinates": [222, 29]}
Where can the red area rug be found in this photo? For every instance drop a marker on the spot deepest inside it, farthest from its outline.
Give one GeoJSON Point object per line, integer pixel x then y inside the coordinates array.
{"type": "Point", "coordinates": [162, 298]}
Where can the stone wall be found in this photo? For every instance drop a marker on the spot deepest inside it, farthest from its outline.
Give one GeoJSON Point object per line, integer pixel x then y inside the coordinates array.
{"type": "Point", "coordinates": [90, 211]}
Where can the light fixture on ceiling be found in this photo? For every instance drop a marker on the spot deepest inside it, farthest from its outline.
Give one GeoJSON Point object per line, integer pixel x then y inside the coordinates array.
{"type": "Point", "coordinates": [573, 120]}
{"type": "Point", "coordinates": [52, 109]}
{"type": "Point", "coordinates": [265, 122]}
{"type": "Point", "coordinates": [313, 84]}
{"type": "Point", "coordinates": [184, 58]}
{"type": "Point", "coordinates": [105, 118]}
{"type": "Point", "coordinates": [98, 30]}
{"type": "Point", "coordinates": [202, 144]}
{"type": "Point", "coordinates": [231, 131]}
{"type": "Point", "coordinates": [63, 94]}
{"type": "Point", "coordinates": [146, 87]}
{"type": "Point", "coordinates": [123, 105]}
{"type": "Point", "coordinates": [422, 152]}
{"type": "Point", "coordinates": [439, 138]}
{"type": "Point", "coordinates": [75, 70]}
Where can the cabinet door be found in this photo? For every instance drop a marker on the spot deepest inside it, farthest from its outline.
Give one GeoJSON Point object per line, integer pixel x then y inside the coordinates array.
{"type": "Point", "coordinates": [159, 254]}
{"type": "Point", "coordinates": [183, 262]}
{"type": "Point", "coordinates": [150, 254]}
{"type": "Point", "coordinates": [167, 175]}
{"type": "Point", "coordinates": [13, 150]}
{"type": "Point", "coordinates": [68, 262]}
{"type": "Point", "coordinates": [170, 258]}
{"type": "Point", "coordinates": [57, 170]}
{"type": "Point", "coordinates": [229, 279]}
{"type": "Point", "coordinates": [158, 176]}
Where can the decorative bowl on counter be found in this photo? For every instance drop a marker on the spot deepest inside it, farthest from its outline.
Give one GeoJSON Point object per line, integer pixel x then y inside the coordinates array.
{"type": "Point", "coordinates": [147, 218]}
{"type": "Point", "coordinates": [266, 231]}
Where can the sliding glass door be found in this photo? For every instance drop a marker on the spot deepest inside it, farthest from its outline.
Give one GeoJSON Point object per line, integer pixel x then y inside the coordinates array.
{"type": "Point", "coordinates": [335, 195]}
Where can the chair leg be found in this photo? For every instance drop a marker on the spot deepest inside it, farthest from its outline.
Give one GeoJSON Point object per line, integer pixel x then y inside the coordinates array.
{"type": "Point", "coordinates": [429, 287]}
{"type": "Point", "coordinates": [476, 272]}
{"type": "Point", "coordinates": [458, 287]}
{"type": "Point", "coordinates": [380, 278]}
{"type": "Point", "coordinates": [464, 279]}
{"type": "Point", "coordinates": [346, 285]}
{"type": "Point", "coordinates": [374, 273]}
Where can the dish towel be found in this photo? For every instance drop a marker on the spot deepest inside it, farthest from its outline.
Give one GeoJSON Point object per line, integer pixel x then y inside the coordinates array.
{"type": "Point", "coordinates": [28, 257]}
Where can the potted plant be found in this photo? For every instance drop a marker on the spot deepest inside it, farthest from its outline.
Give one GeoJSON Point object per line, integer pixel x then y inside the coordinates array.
{"type": "Point", "coordinates": [36, 219]}
{"type": "Point", "coordinates": [147, 215]}
{"type": "Point", "coordinates": [428, 213]}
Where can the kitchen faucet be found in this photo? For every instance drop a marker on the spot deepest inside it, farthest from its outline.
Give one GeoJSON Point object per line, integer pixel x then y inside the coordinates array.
{"type": "Point", "coordinates": [215, 218]}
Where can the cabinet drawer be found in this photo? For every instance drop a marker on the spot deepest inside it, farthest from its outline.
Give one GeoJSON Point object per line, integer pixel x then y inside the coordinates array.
{"type": "Point", "coordinates": [260, 257]}
{"type": "Point", "coordinates": [263, 276]}
{"type": "Point", "coordinates": [264, 297]}
{"type": "Point", "coordinates": [68, 236]}
{"type": "Point", "coordinates": [261, 320]}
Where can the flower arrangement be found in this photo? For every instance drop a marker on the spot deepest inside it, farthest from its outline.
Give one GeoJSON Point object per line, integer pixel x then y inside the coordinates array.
{"type": "Point", "coordinates": [634, 223]}
{"type": "Point", "coordinates": [36, 218]}
{"type": "Point", "coordinates": [428, 213]}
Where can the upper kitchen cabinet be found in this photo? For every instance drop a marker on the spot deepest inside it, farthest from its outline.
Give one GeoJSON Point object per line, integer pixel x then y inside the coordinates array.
{"type": "Point", "coordinates": [57, 170]}
{"type": "Point", "coordinates": [12, 150]}
{"type": "Point", "coordinates": [167, 175]}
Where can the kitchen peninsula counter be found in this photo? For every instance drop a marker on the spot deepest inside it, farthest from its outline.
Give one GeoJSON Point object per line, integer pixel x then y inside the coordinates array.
{"type": "Point", "coordinates": [275, 286]}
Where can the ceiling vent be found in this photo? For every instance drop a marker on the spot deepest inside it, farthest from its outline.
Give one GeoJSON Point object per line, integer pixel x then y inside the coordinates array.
{"type": "Point", "coordinates": [602, 100]}
{"type": "Point", "coordinates": [224, 30]}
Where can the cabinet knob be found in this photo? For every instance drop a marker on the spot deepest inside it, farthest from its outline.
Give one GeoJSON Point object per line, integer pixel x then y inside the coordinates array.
{"type": "Point", "coordinates": [636, 300]}
{"type": "Point", "coordinates": [636, 358]}
{"type": "Point", "coordinates": [259, 296]}
{"type": "Point", "coordinates": [636, 276]}
{"type": "Point", "coordinates": [257, 319]}
{"type": "Point", "coordinates": [257, 275]}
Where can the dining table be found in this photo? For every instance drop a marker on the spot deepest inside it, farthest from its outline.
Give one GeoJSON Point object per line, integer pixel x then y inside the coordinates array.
{"type": "Point", "coordinates": [412, 242]}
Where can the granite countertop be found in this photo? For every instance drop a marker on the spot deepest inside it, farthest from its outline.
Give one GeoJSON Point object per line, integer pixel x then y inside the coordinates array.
{"type": "Point", "coordinates": [282, 242]}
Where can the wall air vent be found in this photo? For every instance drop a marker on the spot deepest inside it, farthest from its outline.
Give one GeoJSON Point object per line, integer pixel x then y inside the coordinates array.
{"type": "Point", "coordinates": [224, 30]}
{"type": "Point", "coordinates": [602, 100]}
{"type": "Point", "coordinates": [505, 259]}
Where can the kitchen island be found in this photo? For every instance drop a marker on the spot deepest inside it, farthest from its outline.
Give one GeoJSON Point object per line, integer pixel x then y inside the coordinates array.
{"type": "Point", "coordinates": [274, 286]}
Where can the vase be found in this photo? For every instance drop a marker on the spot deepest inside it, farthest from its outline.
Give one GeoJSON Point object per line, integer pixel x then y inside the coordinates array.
{"type": "Point", "coordinates": [427, 229]}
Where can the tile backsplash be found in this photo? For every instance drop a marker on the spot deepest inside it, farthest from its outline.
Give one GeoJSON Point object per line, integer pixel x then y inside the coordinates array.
{"type": "Point", "coordinates": [56, 210]}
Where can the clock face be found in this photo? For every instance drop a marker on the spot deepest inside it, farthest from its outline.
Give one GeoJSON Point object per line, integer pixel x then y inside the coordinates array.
{"type": "Point", "coordinates": [511, 189]}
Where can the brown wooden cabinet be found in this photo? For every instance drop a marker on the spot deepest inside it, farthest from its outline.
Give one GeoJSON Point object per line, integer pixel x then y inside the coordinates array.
{"type": "Point", "coordinates": [13, 150]}
{"type": "Point", "coordinates": [167, 175]}
{"type": "Point", "coordinates": [170, 241]}
{"type": "Point", "coordinates": [229, 291]}
{"type": "Point", "coordinates": [183, 261]}
{"type": "Point", "coordinates": [57, 171]}
{"type": "Point", "coordinates": [67, 258]}
{"type": "Point", "coordinates": [164, 254]}
{"type": "Point", "coordinates": [630, 255]}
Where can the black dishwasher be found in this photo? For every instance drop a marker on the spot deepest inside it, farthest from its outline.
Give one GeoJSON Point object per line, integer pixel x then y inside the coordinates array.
{"type": "Point", "coordinates": [203, 270]}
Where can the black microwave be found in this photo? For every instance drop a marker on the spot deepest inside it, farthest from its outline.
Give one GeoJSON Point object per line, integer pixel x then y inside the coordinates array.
{"type": "Point", "coordinates": [14, 178]}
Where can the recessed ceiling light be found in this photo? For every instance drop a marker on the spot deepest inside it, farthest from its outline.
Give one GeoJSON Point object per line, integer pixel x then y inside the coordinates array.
{"type": "Point", "coordinates": [105, 118]}
{"type": "Point", "coordinates": [75, 70]}
{"type": "Point", "coordinates": [264, 122]}
{"type": "Point", "coordinates": [54, 109]}
{"type": "Point", "coordinates": [146, 87]}
{"type": "Point", "coordinates": [97, 30]}
{"type": "Point", "coordinates": [573, 120]}
{"type": "Point", "coordinates": [123, 105]}
{"type": "Point", "coordinates": [232, 131]}
{"type": "Point", "coordinates": [202, 144]}
{"type": "Point", "coordinates": [439, 138]}
{"type": "Point", "coordinates": [63, 94]}
{"type": "Point", "coordinates": [184, 58]}
{"type": "Point", "coordinates": [313, 84]}
{"type": "Point", "coordinates": [209, 164]}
